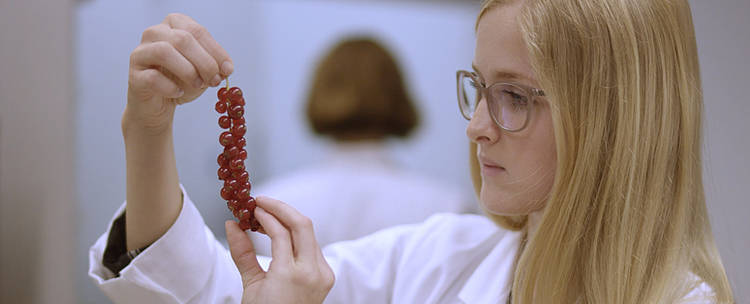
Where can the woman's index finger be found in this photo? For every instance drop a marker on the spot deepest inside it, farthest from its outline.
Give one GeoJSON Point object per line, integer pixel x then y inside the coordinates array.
{"type": "Point", "coordinates": [300, 226]}
{"type": "Point", "coordinates": [201, 34]}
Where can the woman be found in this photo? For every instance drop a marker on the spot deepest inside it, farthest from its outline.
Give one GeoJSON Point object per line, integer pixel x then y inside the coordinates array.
{"type": "Point", "coordinates": [586, 120]}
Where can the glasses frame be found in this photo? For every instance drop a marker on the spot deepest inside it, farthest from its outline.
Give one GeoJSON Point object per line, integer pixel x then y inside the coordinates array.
{"type": "Point", "coordinates": [484, 91]}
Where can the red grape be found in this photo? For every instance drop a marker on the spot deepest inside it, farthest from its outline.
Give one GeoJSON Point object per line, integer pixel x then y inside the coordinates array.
{"type": "Point", "coordinates": [236, 111]}
{"type": "Point", "coordinates": [226, 193]}
{"type": "Point", "coordinates": [244, 214]}
{"type": "Point", "coordinates": [243, 194]}
{"type": "Point", "coordinates": [235, 92]}
{"type": "Point", "coordinates": [238, 121]}
{"type": "Point", "coordinates": [244, 185]}
{"type": "Point", "coordinates": [222, 94]}
{"type": "Point", "coordinates": [249, 204]}
{"type": "Point", "coordinates": [225, 122]}
{"type": "Point", "coordinates": [245, 225]}
{"type": "Point", "coordinates": [236, 174]}
{"type": "Point", "coordinates": [232, 184]}
{"type": "Point", "coordinates": [232, 152]}
{"type": "Point", "coordinates": [254, 225]}
{"type": "Point", "coordinates": [226, 139]}
{"type": "Point", "coordinates": [238, 101]}
{"type": "Point", "coordinates": [237, 164]}
{"type": "Point", "coordinates": [222, 160]}
{"type": "Point", "coordinates": [243, 177]}
{"type": "Point", "coordinates": [238, 130]}
{"type": "Point", "coordinates": [233, 204]}
{"type": "Point", "coordinates": [236, 187]}
{"type": "Point", "coordinates": [224, 173]}
{"type": "Point", "coordinates": [221, 107]}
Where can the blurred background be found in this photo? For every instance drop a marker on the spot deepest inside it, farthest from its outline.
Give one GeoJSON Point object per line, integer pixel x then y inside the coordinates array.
{"type": "Point", "coordinates": [63, 81]}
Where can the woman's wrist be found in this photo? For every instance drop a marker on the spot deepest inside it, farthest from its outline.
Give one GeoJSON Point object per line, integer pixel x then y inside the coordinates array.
{"type": "Point", "coordinates": [147, 123]}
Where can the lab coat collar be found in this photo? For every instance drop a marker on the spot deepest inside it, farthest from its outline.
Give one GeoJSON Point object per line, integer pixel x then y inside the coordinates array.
{"type": "Point", "coordinates": [364, 153]}
{"type": "Point", "coordinates": [491, 281]}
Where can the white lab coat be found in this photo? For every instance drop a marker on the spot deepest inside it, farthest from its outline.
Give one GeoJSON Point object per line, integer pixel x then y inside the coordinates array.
{"type": "Point", "coordinates": [360, 179]}
{"type": "Point", "coordinates": [449, 258]}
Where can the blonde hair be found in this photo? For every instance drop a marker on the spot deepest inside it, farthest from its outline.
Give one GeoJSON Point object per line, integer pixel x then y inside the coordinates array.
{"type": "Point", "coordinates": [626, 221]}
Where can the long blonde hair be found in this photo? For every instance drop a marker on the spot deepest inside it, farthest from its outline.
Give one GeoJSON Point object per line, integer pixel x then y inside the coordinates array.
{"type": "Point", "coordinates": [626, 221]}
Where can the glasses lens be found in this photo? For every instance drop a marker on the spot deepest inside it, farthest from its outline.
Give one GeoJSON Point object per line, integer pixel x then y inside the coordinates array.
{"type": "Point", "coordinates": [510, 106]}
{"type": "Point", "coordinates": [468, 96]}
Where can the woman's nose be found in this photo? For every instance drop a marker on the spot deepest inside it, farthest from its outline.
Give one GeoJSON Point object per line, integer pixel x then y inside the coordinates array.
{"type": "Point", "coordinates": [482, 129]}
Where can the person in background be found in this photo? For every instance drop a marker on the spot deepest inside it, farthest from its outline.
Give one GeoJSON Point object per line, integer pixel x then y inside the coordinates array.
{"type": "Point", "coordinates": [358, 100]}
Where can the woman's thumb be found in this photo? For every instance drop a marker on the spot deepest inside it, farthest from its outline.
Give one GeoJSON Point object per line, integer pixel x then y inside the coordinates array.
{"type": "Point", "coordinates": [243, 253]}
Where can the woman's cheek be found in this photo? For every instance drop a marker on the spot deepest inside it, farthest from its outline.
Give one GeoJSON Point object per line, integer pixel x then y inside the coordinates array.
{"type": "Point", "coordinates": [518, 195]}
{"type": "Point", "coordinates": [502, 199]}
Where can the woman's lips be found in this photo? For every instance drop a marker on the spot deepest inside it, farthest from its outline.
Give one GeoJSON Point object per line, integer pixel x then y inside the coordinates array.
{"type": "Point", "coordinates": [490, 168]}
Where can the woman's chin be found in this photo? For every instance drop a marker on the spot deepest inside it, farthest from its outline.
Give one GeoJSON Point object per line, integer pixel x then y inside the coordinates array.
{"type": "Point", "coordinates": [499, 204]}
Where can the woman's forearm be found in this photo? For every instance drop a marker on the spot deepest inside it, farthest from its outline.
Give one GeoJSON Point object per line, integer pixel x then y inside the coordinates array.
{"type": "Point", "coordinates": [153, 193]}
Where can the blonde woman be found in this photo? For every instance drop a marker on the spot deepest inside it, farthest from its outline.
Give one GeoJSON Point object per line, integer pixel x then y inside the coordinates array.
{"type": "Point", "coordinates": [585, 119]}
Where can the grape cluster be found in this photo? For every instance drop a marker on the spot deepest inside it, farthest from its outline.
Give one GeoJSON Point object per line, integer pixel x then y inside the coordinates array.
{"type": "Point", "coordinates": [236, 188]}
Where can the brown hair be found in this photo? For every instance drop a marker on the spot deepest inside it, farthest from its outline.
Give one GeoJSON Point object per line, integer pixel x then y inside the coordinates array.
{"type": "Point", "coordinates": [358, 93]}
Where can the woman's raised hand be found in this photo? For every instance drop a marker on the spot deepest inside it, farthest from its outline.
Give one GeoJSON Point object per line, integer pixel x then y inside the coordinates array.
{"type": "Point", "coordinates": [298, 273]}
{"type": "Point", "coordinates": [175, 62]}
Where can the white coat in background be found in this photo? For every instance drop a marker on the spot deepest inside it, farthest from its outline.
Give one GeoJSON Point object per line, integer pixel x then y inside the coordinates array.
{"type": "Point", "coordinates": [358, 190]}
{"type": "Point", "coordinates": [449, 258]}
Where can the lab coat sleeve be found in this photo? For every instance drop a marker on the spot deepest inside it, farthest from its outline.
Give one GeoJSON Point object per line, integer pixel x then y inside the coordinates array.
{"type": "Point", "coordinates": [186, 265]}
{"type": "Point", "coordinates": [366, 268]}
{"type": "Point", "coordinates": [702, 294]}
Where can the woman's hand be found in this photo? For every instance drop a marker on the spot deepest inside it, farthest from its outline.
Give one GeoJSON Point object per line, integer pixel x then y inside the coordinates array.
{"type": "Point", "coordinates": [298, 272]}
{"type": "Point", "coordinates": [175, 62]}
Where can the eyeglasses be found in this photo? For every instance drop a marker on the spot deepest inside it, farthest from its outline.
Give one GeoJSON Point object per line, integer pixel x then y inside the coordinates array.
{"type": "Point", "coordinates": [510, 105]}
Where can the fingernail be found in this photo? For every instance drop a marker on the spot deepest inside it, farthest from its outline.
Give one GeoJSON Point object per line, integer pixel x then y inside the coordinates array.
{"type": "Point", "coordinates": [197, 83]}
{"type": "Point", "coordinates": [180, 92]}
{"type": "Point", "coordinates": [227, 68]}
{"type": "Point", "coordinates": [216, 81]}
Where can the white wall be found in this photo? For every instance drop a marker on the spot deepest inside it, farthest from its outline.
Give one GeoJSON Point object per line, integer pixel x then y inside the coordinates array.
{"type": "Point", "coordinates": [274, 43]}
{"type": "Point", "coordinates": [37, 227]}
{"type": "Point", "coordinates": [723, 34]}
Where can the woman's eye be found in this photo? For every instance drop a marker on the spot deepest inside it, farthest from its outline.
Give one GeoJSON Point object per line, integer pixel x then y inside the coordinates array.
{"type": "Point", "coordinates": [517, 98]}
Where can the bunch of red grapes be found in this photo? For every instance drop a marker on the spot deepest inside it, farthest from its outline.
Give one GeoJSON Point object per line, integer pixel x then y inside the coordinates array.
{"type": "Point", "coordinates": [236, 188]}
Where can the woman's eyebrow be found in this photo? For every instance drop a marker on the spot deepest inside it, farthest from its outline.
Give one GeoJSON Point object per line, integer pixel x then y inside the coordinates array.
{"type": "Point", "coordinates": [499, 74]}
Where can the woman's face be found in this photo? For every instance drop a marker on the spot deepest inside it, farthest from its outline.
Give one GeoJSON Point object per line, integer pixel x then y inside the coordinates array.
{"type": "Point", "coordinates": [517, 168]}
